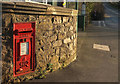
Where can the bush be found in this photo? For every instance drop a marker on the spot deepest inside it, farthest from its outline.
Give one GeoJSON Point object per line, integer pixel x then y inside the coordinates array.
{"type": "Point", "coordinates": [97, 12]}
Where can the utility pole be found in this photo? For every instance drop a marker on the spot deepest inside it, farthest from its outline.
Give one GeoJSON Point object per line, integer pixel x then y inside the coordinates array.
{"type": "Point", "coordinates": [54, 2]}
{"type": "Point", "coordinates": [76, 7]}
{"type": "Point", "coordinates": [76, 4]}
{"type": "Point", "coordinates": [83, 12]}
{"type": "Point", "coordinates": [46, 1]}
{"type": "Point", "coordinates": [64, 3]}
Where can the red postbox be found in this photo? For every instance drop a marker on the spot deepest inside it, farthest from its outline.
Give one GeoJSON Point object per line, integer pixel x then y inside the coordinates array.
{"type": "Point", "coordinates": [23, 48]}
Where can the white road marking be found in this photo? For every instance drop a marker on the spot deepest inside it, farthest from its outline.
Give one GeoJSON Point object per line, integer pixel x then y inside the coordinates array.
{"type": "Point", "coordinates": [106, 15]}
{"type": "Point", "coordinates": [101, 47]}
{"type": "Point", "coordinates": [103, 23]}
{"type": "Point", "coordinates": [99, 23]}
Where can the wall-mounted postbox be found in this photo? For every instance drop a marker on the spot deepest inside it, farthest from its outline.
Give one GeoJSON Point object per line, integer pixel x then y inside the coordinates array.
{"type": "Point", "coordinates": [23, 48]}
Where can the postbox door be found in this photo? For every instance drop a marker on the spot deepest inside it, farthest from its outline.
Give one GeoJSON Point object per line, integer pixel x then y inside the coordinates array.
{"type": "Point", "coordinates": [23, 55]}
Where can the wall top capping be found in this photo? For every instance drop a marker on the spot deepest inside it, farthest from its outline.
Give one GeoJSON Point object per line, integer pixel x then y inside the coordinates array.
{"type": "Point", "coordinates": [36, 8]}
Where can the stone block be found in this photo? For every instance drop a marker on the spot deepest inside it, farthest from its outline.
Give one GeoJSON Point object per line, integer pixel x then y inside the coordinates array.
{"type": "Point", "coordinates": [57, 51]}
{"type": "Point", "coordinates": [32, 18]}
{"type": "Point", "coordinates": [72, 53]}
{"type": "Point", "coordinates": [45, 26]}
{"type": "Point", "coordinates": [57, 43]}
{"type": "Point", "coordinates": [71, 46]}
{"type": "Point", "coordinates": [56, 66]}
{"type": "Point", "coordinates": [61, 35]}
{"type": "Point", "coordinates": [53, 38]}
{"type": "Point", "coordinates": [57, 19]}
{"type": "Point", "coordinates": [54, 59]}
{"type": "Point", "coordinates": [65, 45]}
{"type": "Point", "coordinates": [62, 29]}
{"type": "Point", "coordinates": [75, 42]}
{"type": "Point", "coordinates": [42, 18]}
{"type": "Point", "coordinates": [50, 33]}
{"type": "Point", "coordinates": [70, 19]}
{"type": "Point", "coordinates": [62, 57]}
{"type": "Point", "coordinates": [21, 18]}
{"type": "Point", "coordinates": [71, 37]}
{"type": "Point", "coordinates": [74, 35]}
{"type": "Point", "coordinates": [66, 29]}
{"type": "Point", "coordinates": [65, 19]}
{"type": "Point", "coordinates": [67, 40]}
{"type": "Point", "coordinates": [63, 50]}
{"type": "Point", "coordinates": [41, 42]}
{"type": "Point", "coordinates": [67, 24]}
{"type": "Point", "coordinates": [8, 20]}
{"type": "Point", "coordinates": [71, 28]}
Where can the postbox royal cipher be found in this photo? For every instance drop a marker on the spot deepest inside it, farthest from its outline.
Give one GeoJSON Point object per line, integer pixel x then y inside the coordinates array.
{"type": "Point", "coordinates": [23, 48]}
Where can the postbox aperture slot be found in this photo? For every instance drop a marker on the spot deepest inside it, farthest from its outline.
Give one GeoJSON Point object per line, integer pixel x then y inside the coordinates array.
{"type": "Point", "coordinates": [25, 31]}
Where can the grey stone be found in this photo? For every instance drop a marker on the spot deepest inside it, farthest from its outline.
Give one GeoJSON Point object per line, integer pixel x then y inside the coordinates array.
{"type": "Point", "coordinates": [54, 59]}
{"type": "Point", "coordinates": [57, 43]}
{"type": "Point", "coordinates": [71, 28]}
{"type": "Point", "coordinates": [63, 50]}
{"type": "Point", "coordinates": [62, 57]}
{"type": "Point", "coordinates": [50, 33]}
{"type": "Point", "coordinates": [73, 52]}
{"type": "Point", "coordinates": [61, 35]}
{"type": "Point", "coordinates": [57, 19]}
{"type": "Point", "coordinates": [57, 51]}
{"type": "Point", "coordinates": [74, 35]}
{"type": "Point", "coordinates": [65, 19]}
{"type": "Point", "coordinates": [71, 46]}
{"type": "Point", "coordinates": [67, 24]}
{"type": "Point", "coordinates": [75, 42]}
{"type": "Point", "coordinates": [71, 37]}
{"type": "Point", "coordinates": [62, 29]}
{"type": "Point", "coordinates": [53, 38]}
{"type": "Point", "coordinates": [67, 40]}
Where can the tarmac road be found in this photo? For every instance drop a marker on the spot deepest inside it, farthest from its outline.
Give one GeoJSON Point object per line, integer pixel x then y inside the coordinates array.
{"type": "Point", "coordinates": [92, 65]}
{"type": "Point", "coordinates": [112, 16]}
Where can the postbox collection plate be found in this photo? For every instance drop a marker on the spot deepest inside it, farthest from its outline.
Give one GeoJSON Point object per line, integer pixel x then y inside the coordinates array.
{"type": "Point", "coordinates": [23, 48]}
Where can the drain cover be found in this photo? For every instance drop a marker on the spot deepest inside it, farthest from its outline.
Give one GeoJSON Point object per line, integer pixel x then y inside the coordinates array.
{"type": "Point", "coordinates": [101, 47]}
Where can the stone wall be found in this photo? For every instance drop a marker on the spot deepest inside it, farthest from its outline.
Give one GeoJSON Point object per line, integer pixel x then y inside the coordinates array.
{"type": "Point", "coordinates": [55, 43]}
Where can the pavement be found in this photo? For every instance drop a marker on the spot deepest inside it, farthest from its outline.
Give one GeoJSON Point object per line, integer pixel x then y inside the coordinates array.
{"type": "Point", "coordinates": [92, 65]}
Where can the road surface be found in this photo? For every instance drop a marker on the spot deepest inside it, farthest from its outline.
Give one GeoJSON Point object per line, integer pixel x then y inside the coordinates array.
{"type": "Point", "coordinates": [111, 18]}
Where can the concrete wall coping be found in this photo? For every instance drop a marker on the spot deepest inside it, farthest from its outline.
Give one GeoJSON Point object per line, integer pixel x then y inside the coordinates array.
{"type": "Point", "coordinates": [36, 8]}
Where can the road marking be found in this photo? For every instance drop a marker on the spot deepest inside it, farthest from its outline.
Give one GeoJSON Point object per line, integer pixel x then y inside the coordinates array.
{"type": "Point", "coordinates": [103, 23]}
{"type": "Point", "coordinates": [99, 23]}
{"type": "Point", "coordinates": [101, 47]}
{"type": "Point", "coordinates": [106, 16]}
